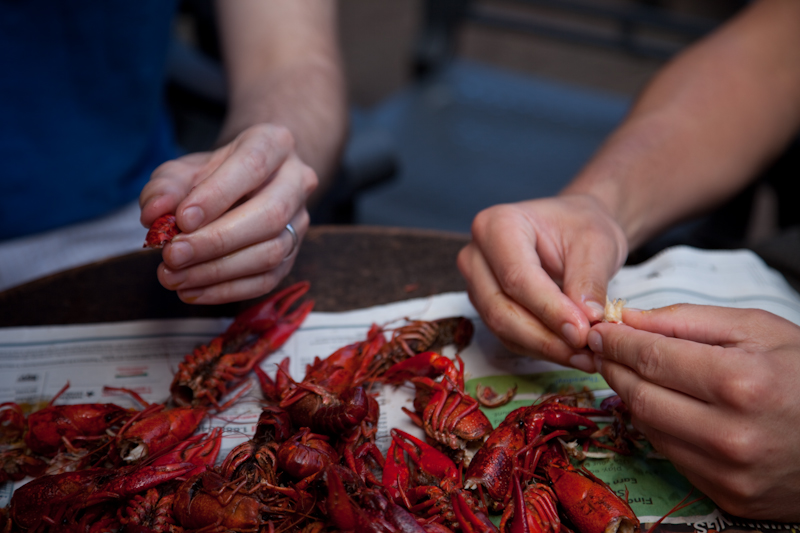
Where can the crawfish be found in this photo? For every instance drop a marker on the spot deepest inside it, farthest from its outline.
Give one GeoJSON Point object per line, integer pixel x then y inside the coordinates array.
{"type": "Point", "coordinates": [60, 497]}
{"type": "Point", "coordinates": [55, 426]}
{"type": "Point", "coordinates": [151, 511]}
{"type": "Point", "coordinates": [305, 454]}
{"type": "Point", "coordinates": [208, 502]}
{"type": "Point", "coordinates": [162, 231]}
{"type": "Point", "coordinates": [446, 413]}
{"type": "Point", "coordinates": [331, 398]}
{"type": "Point", "coordinates": [254, 460]}
{"type": "Point", "coordinates": [429, 483]}
{"type": "Point", "coordinates": [534, 509]}
{"type": "Point", "coordinates": [362, 509]}
{"type": "Point", "coordinates": [213, 370]}
{"type": "Point", "coordinates": [587, 501]}
{"type": "Point", "coordinates": [421, 336]}
{"type": "Point", "coordinates": [15, 460]}
{"type": "Point", "coordinates": [155, 429]}
{"type": "Point", "coordinates": [518, 439]}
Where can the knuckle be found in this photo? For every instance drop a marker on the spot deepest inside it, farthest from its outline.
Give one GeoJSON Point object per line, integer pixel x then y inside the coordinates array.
{"type": "Point", "coordinates": [741, 445]}
{"type": "Point", "coordinates": [487, 218]}
{"type": "Point", "coordinates": [308, 179]}
{"type": "Point", "coordinates": [639, 404]}
{"type": "Point", "coordinates": [494, 318]}
{"type": "Point", "coordinates": [283, 136]}
{"type": "Point", "coordinates": [481, 222]}
{"type": "Point", "coordinates": [650, 359]}
{"type": "Point", "coordinates": [745, 391]}
{"type": "Point", "coordinates": [255, 159]}
{"type": "Point", "coordinates": [214, 242]}
{"type": "Point", "coordinates": [739, 492]}
{"type": "Point", "coordinates": [511, 279]}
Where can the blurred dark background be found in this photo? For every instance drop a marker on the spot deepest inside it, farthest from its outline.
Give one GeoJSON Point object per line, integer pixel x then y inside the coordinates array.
{"type": "Point", "coordinates": [457, 105]}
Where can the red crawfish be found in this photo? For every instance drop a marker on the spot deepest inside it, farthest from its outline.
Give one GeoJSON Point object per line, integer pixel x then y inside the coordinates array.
{"type": "Point", "coordinates": [446, 413]}
{"type": "Point", "coordinates": [586, 500]}
{"type": "Point", "coordinates": [59, 498]}
{"type": "Point", "coordinates": [78, 425]}
{"type": "Point", "coordinates": [305, 454]}
{"type": "Point", "coordinates": [254, 460]}
{"type": "Point", "coordinates": [533, 509]}
{"type": "Point", "coordinates": [331, 398]}
{"type": "Point", "coordinates": [427, 483]}
{"type": "Point", "coordinates": [362, 509]}
{"type": "Point", "coordinates": [16, 461]}
{"type": "Point", "coordinates": [155, 429]}
{"type": "Point", "coordinates": [151, 512]}
{"type": "Point", "coordinates": [209, 502]}
{"type": "Point", "coordinates": [420, 336]}
{"type": "Point", "coordinates": [161, 231]}
{"type": "Point", "coordinates": [213, 370]}
{"type": "Point", "coordinates": [518, 439]}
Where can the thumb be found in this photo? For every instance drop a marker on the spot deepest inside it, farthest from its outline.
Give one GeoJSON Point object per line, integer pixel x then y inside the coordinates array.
{"type": "Point", "coordinates": [586, 277]}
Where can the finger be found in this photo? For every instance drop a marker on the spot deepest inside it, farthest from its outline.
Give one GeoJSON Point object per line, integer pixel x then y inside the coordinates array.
{"type": "Point", "coordinates": [732, 487]}
{"type": "Point", "coordinates": [247, 262]}
{"type": "Point", "coordinates": [669, 411]}
{"type": "Point", "coordinates": [250, 286]}
{"type": "Point", "coordinates": [692, 368]}
{"type": "Point", "coordinates": [519, 330]}
{"type": "Point", "coordinates": [590, 264]}
{"type": "Point", "coordinates": [262, 217]}
{"type": "Point", "coordinates": [169, 184]}
{"type": "Point", "coordinates": [706, 324]}
{"type": "Point", "coordinates": [518, 272]}
{"type": "Point", "coordinates": [237, 289]}
{"type": "Point", "coordinates": [249, 163]}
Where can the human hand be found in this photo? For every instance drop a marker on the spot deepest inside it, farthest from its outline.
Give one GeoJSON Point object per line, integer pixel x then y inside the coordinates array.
{"type": "Point", "coordinates": [537, 272]}
{"type": "Point", "coordinates": [232, 206]}
{"type": "Point", "coordinates": [714, 390]}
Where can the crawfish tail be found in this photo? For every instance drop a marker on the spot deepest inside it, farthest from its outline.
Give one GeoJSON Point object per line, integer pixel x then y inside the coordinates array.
{"type": "Point", "coordinates": [589, 503]}
{"type": "Point", "coordinates": [332, 414]}
{"type": "Point", "coordinates": [162, 231]}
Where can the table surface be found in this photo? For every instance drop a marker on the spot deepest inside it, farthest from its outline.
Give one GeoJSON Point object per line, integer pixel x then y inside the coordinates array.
{"type": "Point", "coordinates": [349, 267]}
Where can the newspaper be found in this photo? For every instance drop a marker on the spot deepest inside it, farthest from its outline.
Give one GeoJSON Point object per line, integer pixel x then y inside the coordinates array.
{"type": "Point", "coordinates": [36, 362]}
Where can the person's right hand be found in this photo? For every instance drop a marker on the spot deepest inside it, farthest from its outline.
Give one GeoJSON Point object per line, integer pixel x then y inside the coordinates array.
{"type": "Point", "coordinates": [537, 272]}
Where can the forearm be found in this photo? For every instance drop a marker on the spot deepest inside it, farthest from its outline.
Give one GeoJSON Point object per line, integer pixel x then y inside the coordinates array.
{"type": "Point", "coordinates": [705, 126]}
{"type": "Point", "coordinates": [309, 101]}
{"type": "Point", "coordinates": [287, 72]}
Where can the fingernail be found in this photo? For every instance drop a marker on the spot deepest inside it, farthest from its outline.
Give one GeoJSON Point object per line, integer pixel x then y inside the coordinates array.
{"type": "Point", "coordinates": [174, 278]}
{"type": "Point", "coordinates": [598, 311]}
{"type": "Point", "coordinates": [190, 295]}
{"type": "Point", "coordinates": [192, 218]}
{"type": "Point", "coordinates": [595, 341]}
{"type": "Point", "coordinates": [598, 363]}
{"type": "Point", "coordinates": [570, 334]}
{"type": "Point", "coordinates": [584, 362]}
{"type": "Point", "coordinates": [180, 253]}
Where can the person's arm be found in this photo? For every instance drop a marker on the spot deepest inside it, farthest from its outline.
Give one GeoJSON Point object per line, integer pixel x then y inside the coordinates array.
{"type": "Point", "coordinates": [538, 270]}
{"type": "Point", "coordinates": [705, 126]}
{"type": "Point", "coordinates": [284, 67]}
{"type": "Point", "coordinates": [284, 130]}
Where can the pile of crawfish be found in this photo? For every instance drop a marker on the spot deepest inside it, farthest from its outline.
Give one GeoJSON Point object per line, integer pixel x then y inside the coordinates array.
{"type": "Point", "coordinates": [313, 464]}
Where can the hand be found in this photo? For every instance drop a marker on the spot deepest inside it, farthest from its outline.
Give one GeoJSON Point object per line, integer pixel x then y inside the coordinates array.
{"type": "Point", "coordinates": [232, 206]}
{"type": "Point", "coordinates": [715, 391]}
{"type": "Point", "coordinates": [521, 257]}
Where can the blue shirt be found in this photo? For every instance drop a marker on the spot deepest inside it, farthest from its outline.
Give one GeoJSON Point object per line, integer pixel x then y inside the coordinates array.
{"type": "Point", "coordinates": [82, 116]}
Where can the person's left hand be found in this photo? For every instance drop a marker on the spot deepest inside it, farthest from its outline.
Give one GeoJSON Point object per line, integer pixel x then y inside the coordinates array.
{"type": "Point", "coordinates": [232, 205]}
{"type": "Point", "coordinates": [715, 391]}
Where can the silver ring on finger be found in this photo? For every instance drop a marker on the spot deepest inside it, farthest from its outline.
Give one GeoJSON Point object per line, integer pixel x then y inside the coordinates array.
{"type": "Point", "coordinates": [293, 233]}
